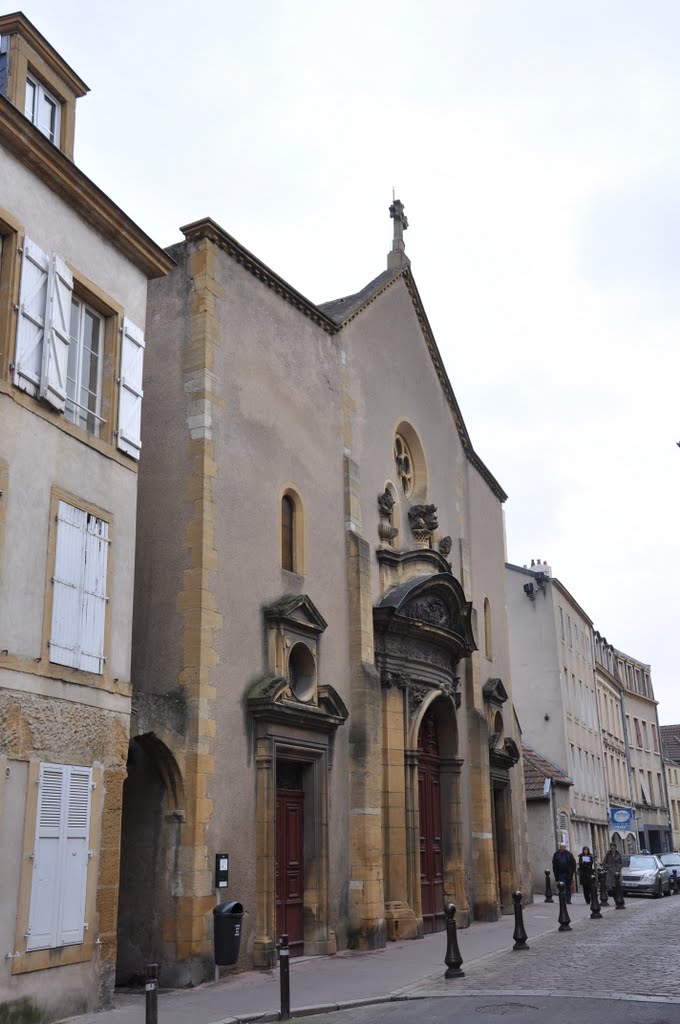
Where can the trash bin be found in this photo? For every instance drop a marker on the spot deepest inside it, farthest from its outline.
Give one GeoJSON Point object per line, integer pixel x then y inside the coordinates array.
{"type": "Point", "coordinates": [227, 919]}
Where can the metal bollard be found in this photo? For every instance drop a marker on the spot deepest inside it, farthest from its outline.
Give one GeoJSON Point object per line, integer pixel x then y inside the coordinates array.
{"type": "Point", "coordinates": [151, 994]}
{"type": "Point", "coordinates": [519, 934]}
{"type": "Point", "coordinates": [284, 977]}
{"type": "Point", "coordinates": [674, 882]}
{"type": "Point", "coordinates": [594, 901]}
{"type": "Point", "coordinates": [548, 889]}
{"type": "Point", "coordinates": [619, 901]}
{"type": "Point", "coordinates": [453, 959]}
{"type": "Point", "coordinates": [564, 919]}
{"type": "Point", "coordinates": [604, 896]}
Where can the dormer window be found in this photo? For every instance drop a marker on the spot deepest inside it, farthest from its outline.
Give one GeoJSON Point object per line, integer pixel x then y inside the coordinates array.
{"type": "Point", "coordinates": [43, 110]}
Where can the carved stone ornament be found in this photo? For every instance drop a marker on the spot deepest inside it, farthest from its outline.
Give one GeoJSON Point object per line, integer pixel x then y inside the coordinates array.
{"type": "Point", "coordinates": [397, 679]}
{"type": "Point", "coordinates": [431, 609]}
{"type": "Point", "coordinates": [416, 696]}
{"type": "Point", "coordinates": [387, 531]}
{"type": "Point", "coordinates": [445, 545]}
{"type": "Point", "coordinates": [423, 522]}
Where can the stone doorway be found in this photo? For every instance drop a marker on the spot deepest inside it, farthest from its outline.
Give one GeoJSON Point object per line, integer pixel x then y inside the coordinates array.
{"type": "Point", "coordinates": [430, 815]}
{"type": "Point", "coordinates": [503, 845]}
{"type": "Point", "coordinates": [152, 817]}
{"type": "Point", "coordinates": [290, 867]}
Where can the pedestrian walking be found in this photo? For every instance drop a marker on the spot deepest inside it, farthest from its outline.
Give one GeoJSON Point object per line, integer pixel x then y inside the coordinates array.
{"type": "Point", "coordinates": [564, 868]}
{"type": "Point", "coordinates": [586, 867]}
{"type": "Point", "coordinates": [612, 862]}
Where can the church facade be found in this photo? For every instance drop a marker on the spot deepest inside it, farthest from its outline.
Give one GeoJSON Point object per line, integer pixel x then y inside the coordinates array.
{"type": "Point", "coordinates": [321, 674]}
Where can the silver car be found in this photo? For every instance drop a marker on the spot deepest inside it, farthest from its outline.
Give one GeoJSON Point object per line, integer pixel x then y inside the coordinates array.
{"type": "Point", "coordinates": [644, 873]}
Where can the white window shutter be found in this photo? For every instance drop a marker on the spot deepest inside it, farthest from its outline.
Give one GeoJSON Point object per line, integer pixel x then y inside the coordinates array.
{"type": "Point", "coordinates": [33, 295]}
{"type": "Point", "coordinates": [75, 856]}
{"type": "Point", "coordinates": [57, 334]}
{"type": "Point", "coordinates": [93, 610]}
{"type": "Point", "coordinates": [43, 915]}
{"type": "Point", "coordinates": [130, 397]}
{"type": "Point", "coordinates": [65, 636]}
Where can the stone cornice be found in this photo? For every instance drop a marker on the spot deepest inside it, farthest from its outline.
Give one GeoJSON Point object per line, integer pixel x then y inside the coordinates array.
{"type": "Point", "coordinates": [18, 24]}
{"type": "Point", "coordinates": [209, 229]}
{"type": "Point", "coordinates": [48, 163]}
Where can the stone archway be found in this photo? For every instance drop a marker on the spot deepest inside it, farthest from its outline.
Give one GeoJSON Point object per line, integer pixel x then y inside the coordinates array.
{"type": "Point", "coordinates": [153, 812]}
{"type": "Point", "coordinates": [422, 630]}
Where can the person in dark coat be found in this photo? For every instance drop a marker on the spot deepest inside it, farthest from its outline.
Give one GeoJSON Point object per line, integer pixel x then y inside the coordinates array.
{"type": "Point", "coordinates": [564, 868]}
{"type": "Point", "coordinates": [612, 862]}
{"type": "Point", "coordinates": [586, 866]}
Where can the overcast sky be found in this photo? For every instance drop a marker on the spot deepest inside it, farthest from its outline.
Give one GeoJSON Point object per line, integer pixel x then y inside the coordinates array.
{"type": "Point", "coordinates": [536, 147]}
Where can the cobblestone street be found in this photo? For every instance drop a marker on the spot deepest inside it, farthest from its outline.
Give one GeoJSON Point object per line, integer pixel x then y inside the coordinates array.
{"type": "Point", "coordinates": [632, 952]}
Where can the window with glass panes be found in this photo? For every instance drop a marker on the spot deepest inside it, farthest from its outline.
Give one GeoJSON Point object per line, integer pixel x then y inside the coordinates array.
{"type": "Point", "coordinates": [42, 109]}
{"type": "Point", "coordinates": [84, 372]}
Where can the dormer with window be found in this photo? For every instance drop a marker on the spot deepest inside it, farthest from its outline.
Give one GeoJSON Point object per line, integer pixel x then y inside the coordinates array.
{"type": "Point", "coordinates": [36, 80]}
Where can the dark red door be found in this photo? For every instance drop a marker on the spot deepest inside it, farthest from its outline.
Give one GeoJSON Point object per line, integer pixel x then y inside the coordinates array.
{"type": "Point", "coordinates": [290, 859]}
{"type": "Point", "coordinates": [431, 861]}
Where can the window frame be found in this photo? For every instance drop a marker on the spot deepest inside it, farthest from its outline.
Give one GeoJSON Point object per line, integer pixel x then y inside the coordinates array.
{"type": "Point", "coordinates": [298, 531]}
{"type": "Point", "coordinates": [69, 673]}
{"type": "Point", "coordinates": [78, 409]}
{"type": "Point", "coordinates": [41, 94]}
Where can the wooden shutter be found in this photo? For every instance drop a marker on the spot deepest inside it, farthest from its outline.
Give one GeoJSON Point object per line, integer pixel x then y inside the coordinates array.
{"type": "Point", "coordinates": [60, 857]}
{"type": "Point", "coordinates": [32, 313]}
{"type": "Point", "coordinates": [93, 608]}
{"type": "Point", "coordinates": [68, 586]}
{"type": "Point", "coordinates": [75, 860]}
{"type": "Point", "coordinates": [57, 334]}
{"type": "Point", "coordinates": [130, 396]}
{"type": "Point", "coordinates": [43, 915]}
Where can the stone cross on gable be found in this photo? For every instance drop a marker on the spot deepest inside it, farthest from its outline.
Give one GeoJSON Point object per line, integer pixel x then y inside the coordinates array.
{"type": "Point", "coordinates": [397, 257]}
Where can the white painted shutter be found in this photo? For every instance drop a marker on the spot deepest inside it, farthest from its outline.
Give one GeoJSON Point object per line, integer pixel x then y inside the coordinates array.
{"type": "Point", "coordinates": [32, 313]}
{"type": "Point", "coordinates": [57, 334]}
{"type": "Point", "coordinates": [43, 913]}
{"type": "Point", "coordinates": [75, 856]}
{"type": "Point", "coordinates": [130, 397]}
{"type": "Point", "coordinates": [93, 613]}
{"type": "Point", "coordinates": [67, 601]}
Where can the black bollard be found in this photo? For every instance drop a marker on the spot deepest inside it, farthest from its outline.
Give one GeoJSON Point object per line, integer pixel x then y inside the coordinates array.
{"type": "Point", "coordinates": [453, 959]}
{"type": "Point", "coordinates": [674, 882]}
{"type": "Point", "coordinates": [284, 977]}
{"type": "Point", "coordinates": [548, 889]}
{"type": "Point", "coordinates": [563, 918]}
{"type": "Point", "coordinates": [151, 1016]}
{"type": "Point", "coordinates": [519, 934]}
{"type": "Point", "coordinates": [619, 901]}
{"type": "Point", "coordinates": [594, 901]}
{"type": "Point", "coordinates": [604, 898]}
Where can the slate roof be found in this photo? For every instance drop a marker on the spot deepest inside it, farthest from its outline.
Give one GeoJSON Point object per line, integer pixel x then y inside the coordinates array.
{"type": "Point", "coordinates": [340, 309]}
{"type": "Point", "coordinates": [670, 741]}
{"type": "Point", "coordinates": [536, 770]}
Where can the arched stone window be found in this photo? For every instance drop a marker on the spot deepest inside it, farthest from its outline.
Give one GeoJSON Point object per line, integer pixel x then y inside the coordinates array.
{"type": "Point", "coordinates": [409, 459]}
{"type": "Point", "coordinates": [488, 643]}
{"type": "Point", "coordinates": [292, 532]}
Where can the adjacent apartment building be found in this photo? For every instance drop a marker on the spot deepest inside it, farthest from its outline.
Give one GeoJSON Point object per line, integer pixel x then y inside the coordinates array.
{"type": "Point", "coordinates": [73, 285]}
{"type": "Point", "coordinates": [610, 694]}
{"type": "Point", "coordinates": [670, 746]}
{"type": "Point", "coordinates": [554, 693]}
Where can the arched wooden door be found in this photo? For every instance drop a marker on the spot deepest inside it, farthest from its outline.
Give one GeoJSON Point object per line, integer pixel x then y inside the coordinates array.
{"type": "Point", "coordinates": [290, 882]}
{"type": "Point", "coordinates": [429, 797]}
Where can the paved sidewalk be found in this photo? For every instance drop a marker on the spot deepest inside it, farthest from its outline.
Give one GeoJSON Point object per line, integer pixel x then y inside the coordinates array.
{"type": "Point", "coordinates": [325, 983]}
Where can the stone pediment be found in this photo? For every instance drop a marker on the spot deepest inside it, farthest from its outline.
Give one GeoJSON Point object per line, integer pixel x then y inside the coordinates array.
{"type": "Point", "coordinates": [296, 610]}
{"type": "Point", "coordinates": [272, 698]}
{"type": "Point", "coordinates": [505, 754]}
{"type": "Point", "coordinates": [435, 603]}
{"type": "Point", "coordinates": [494, 692]}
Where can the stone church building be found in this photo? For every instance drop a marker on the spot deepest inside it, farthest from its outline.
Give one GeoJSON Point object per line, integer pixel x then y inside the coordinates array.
{"type": "Point", "coordinates": [321, 673]}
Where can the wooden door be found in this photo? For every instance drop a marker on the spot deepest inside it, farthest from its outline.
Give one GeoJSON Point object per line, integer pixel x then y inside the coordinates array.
{"type": "Point", "coordinates": [290, 858]}
{"type": "Point", "coordinates": [431, 859]}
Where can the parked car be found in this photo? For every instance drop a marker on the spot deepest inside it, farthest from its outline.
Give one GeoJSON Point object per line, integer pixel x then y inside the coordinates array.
{"type": "Point", "coordinates": [671, 861]}
{"type": "Point", "coordinates": [644, 873]}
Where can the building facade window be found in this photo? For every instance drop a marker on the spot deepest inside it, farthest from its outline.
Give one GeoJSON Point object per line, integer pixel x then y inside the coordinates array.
{"type": "Point", "coordinates": [84, 369]}
{"type": "Point", "coordinates": [60, 857]}
{"type": "Point", "coordinates": [288, 533]}
{"type": "Point", "coordinates": [43, 110]}
{"type": "Point", "coordinates": [488, 638]}
{"type": "Point", "coordinates": [638, 732]}
{"type": "Point", "coordinates": [79, 590]}
{"type": "Point", "coordinates": [404, 464]}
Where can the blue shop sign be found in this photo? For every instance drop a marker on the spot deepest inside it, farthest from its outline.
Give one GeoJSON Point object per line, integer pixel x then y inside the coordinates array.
{"type": "Point", "coordinates": [621, 817]}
